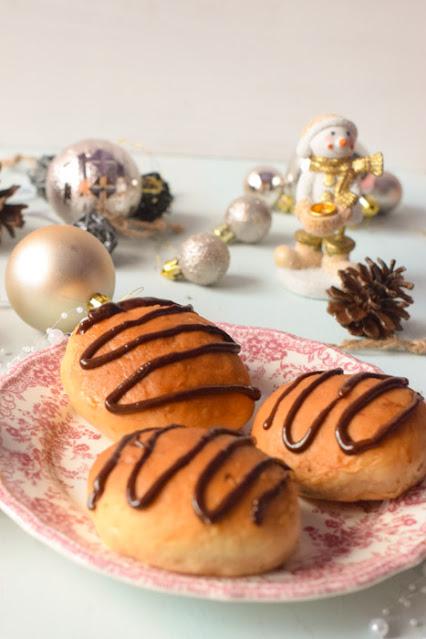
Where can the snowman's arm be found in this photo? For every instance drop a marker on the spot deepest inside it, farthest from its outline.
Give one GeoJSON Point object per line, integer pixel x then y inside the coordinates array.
{"type": "Point", "coordinates": [305, 186]}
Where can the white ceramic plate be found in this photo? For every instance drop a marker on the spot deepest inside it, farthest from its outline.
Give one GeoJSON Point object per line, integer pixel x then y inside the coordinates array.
{"type": "Point", "coordinates": [46, 452]}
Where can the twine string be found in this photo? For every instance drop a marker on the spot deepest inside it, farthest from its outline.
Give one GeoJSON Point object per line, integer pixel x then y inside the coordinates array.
{"type": "Point", "coordinates": [14, 160]}
{"type": "Point", "coordinates": [394, 343]}
{"type": "Point", "coordinates": [133, 227]}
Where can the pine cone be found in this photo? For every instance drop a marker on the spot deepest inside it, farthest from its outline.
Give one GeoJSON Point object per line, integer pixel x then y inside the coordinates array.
{"type": "Point", "coordinates": [371, 302]}
{"type": "Point", "coordinates": [10, 214]}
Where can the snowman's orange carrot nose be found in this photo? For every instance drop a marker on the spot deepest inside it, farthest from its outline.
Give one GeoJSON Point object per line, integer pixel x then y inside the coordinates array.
{"type": "Point", "coordinates": [343, 142]}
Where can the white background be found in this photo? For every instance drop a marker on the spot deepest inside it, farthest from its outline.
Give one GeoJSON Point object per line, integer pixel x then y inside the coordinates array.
{"type": "Point", "coordinates": [235, 78]}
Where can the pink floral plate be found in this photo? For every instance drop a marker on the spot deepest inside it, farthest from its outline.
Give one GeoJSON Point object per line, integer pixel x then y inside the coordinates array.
{"type": "Point", "coordinates": [46, 451]}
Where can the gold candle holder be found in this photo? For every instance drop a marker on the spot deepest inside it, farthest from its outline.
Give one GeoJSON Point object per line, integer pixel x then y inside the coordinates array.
{"type": "Point", "coordinates": [323, 209]}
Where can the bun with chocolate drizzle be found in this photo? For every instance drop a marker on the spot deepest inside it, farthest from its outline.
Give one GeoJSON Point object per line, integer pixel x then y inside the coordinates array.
{"type": "Point", "coordinates": [346, 437]}
{"type": "Point", "coordinates": [148, 361]}
{"type": "Point", "coordinates": [196, 501]}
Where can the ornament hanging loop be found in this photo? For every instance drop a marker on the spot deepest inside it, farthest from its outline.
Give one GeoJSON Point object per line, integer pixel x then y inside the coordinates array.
{"type": "Point", "coordinates": [224, 233]}
{"type": "Point", "coordinates": [171, 270]}
{"type": "Point", "coordinates": [96, 300]}
{"type": "Point", "coordinates": [369, 205]}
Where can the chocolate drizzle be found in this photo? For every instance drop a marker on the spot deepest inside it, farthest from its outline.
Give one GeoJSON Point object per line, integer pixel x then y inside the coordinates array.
{"type": "Point", "coordinates": [346, 443]}
{"type": "Point", "coordinates": [88, 359]}
{"type": "Point", "coordinates": [268, 422]}
{"type": "Point", "coordinates": [208, 516]}
{"type": "Point", "coordinates": [109, 309]}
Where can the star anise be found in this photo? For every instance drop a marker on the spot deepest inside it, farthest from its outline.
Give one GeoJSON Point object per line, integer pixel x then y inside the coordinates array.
{"type": "Point", "coordinates": [372, 300]}
{"type": "Point", "coordinates": [10, 214]}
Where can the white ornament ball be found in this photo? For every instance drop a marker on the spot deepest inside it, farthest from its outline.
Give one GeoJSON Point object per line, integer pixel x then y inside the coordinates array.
{"type": "Point", "coordinates": [204, 259]}
{"type": "Point", "coordinates": [386, 189]}
{"type": "Point", "coordinates": [87, 172]}
{"type": "Point", "coordinates": [55, 270]}
{"type": "Point", "coordinates": [54, 336]}
{"type": "Point", "coordinates": [414, 623]}
{"type": "Point", "coordinates": [265, 182]}
{"type": "Point", "coordinates": [379, 627]}
{"type": "Point", "coordinates": [249, 219]}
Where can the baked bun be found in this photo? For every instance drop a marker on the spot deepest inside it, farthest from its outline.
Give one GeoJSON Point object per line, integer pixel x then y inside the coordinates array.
{"type": "Point", "coordinates": [346, 437]}
{"type": "Point", "coordinates": [196, 501]}
{"type": "Point", "coordinates": [149, 362]}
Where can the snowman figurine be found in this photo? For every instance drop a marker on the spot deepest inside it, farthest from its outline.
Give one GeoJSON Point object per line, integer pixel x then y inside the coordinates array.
{"type": "Point", "coordinates": [327, 195]}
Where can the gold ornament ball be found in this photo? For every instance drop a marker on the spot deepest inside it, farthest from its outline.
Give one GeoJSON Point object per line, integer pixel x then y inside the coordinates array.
{"type": "Point", "coordinates": [265, 182]}
{"type": "Point", "coordinates": [53, 272]}
{"type": "Point", "coordinates": [90, 174]}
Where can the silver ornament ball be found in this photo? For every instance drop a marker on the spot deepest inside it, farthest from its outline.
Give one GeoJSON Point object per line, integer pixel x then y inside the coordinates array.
{"type": "Point", "coordinates": [265, 182]}
{"type": "Point", "coordinates": [204, 259]}
{"type": "Point", "coordinates": [53, 272]}
{"type": "Point", "coordinates": [90, 173]}
{"type": "Point", "coordinates": [249, 219]}
{"type": "Point", "coordinates": [386, 189]}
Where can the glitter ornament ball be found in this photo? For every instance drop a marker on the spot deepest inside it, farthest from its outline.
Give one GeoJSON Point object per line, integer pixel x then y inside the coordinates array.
{"type": "Point", "coordinates": [386, 190]}
{"type": "Point", "coordinates": [53, 272]}
{"type": "Point", "coordinates": [204, 259]}
{"type": "Point", "coordinates": [265, 182]}
{"type": "Point", "coordinates": [93, 174]}
{"type": "Point", "coordinates": [249, 219]}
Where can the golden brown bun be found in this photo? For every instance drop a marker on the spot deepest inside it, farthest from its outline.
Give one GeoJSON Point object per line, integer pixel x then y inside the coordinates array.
{"type": "Point", "coordinates": [168, 533]}
{"type": "Point", "coordinates": [323, 470]}
{"type": "Point", "coordinates": [88, 389]}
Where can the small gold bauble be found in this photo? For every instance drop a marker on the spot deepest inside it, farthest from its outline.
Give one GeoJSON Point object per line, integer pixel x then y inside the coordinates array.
{"type": "Point", "coordinates": [53, 272]}
{"type": "Point", "coordinates": [284, 204]}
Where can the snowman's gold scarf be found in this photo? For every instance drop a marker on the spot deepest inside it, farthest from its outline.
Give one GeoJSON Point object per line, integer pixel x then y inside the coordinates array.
{"type": "Point", "coordinates": [346, 169]}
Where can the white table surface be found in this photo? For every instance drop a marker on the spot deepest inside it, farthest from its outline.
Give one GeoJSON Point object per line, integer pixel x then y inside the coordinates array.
{"type": "Point", "coordinates": [43, 595]}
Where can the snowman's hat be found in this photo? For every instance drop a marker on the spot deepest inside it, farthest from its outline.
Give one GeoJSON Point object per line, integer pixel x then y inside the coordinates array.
{"type": "Point", "coordinates": [318, 124]}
